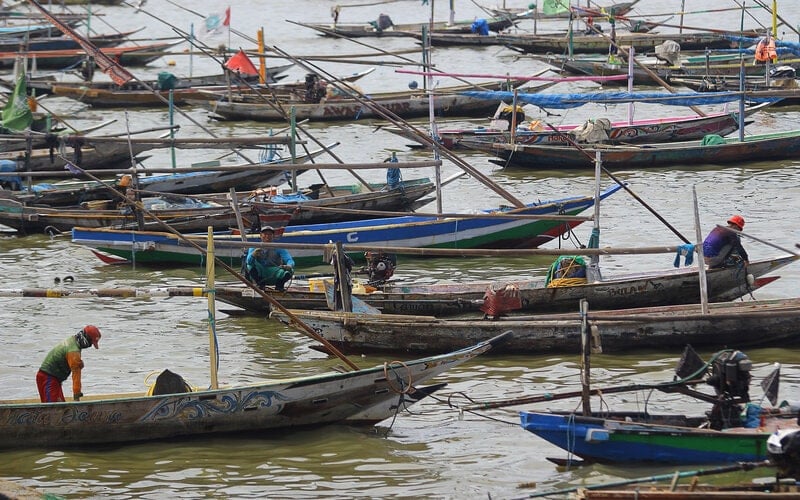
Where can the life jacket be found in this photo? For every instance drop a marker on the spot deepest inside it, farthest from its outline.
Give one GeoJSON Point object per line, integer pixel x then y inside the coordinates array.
{"type": "Point", "coordinates": [765, 51]}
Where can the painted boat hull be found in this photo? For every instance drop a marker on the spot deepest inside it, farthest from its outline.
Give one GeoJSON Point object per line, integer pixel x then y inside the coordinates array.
{"type": "Point", "coordinates": [357, 397]}
{"type": "Point", "coordinates": [615, 442]}
{"type": "Point", "coordinates": [753, 148]}
{"type": "Point", "coordinates": [667, 287]}
{"type": "Point", "coordinates": [658, 130]}
{"type": "Point", "coordinates": [406, 104]}
{"type": "Point", "coordinates": [409, 231]}
{"type": "Point", "coordinates": [743, 324]}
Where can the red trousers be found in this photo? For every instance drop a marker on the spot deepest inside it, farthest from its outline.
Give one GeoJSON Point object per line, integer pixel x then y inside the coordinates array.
{"type": "Point", "coordinates": [49, 388]}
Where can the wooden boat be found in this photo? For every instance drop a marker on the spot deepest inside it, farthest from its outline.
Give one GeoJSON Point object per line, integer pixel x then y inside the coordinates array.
{"type": "Point", "coordinates": [191, 214]}
{"type": "Point", "coordinates": [618, 8]}
{"type": "Point", "coordinates": [96, 156]}
{"type": "Point", "coordinates": [138, 96]}
{"type": "Point", "coordinates": [659, 288]}
{"type": "Point", "coordinates": [308, 241]}
{"type": "Point", "coordinates": [614, 441]}
{"type": "Point", "coordinates": [668, 129]}
{"type": "Point", "coordinates": [202, 181]}
{"type": "Point", "coordinates": [668, 73]}
{"type": "Point", "coordinates": [362, 397]}
{"type": "Point", "coordinates": [182, 214]}
{"type": "Point", "coordinates": [406, 104]}
{"type": "Point", "coordinates": [138, 55]}
{"type": "Point", "coordinates": [368, 29]}
{"type": "Point", "coordinates": [62, 42]}
{"type": "Point", "coordinates": [344, 203]}
{"type": "Point", "coordinates": [762, 147]}
{"type": "Point", "coordinates": [597, 44]}
{"type": "Point", "coordinates": [743, 324]}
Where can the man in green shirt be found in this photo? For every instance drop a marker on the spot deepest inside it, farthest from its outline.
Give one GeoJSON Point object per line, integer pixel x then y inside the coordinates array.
{"type": "Point", "coordinates": [62, 361]}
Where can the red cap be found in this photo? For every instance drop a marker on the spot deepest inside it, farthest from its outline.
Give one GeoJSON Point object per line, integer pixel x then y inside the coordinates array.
{"type": "Point", "coordinates": [738, 221]}
{"type": "Point", "coordinates": [93, 333]}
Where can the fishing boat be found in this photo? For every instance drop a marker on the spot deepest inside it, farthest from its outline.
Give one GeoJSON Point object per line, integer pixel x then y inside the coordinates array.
{"type": "Point", "coordinates": [137, 55]}
{"type": "Point", "coordinates": [85, 153]}
{"type": "Point", "coordinates": [617, 8]}
{"type": "Point", "coordinates": [307, 242]}
{"type": "Point", "coordinates": [598, 44]}
{"type": "Point", "coordinates": [761, 147]}
{"type": "Point", "coordinates": [373, 29]}
{"type": "Point", "coordinates": [663, 287]}
{"type": "Point", "coordinates": [601, 440]}
{"type": "Point", "coordinates": [667, 129]}
{"type": "Point", "coordinates": [361, 397]}
{"type": "Point", "coordinates": [184, 183]}
{"type": "Point", "coordinates": [140, 96]}
{"type": "Point", "coordinates": [655, 327]}
{"type": "Point", "coordinates": [406, 104]}
{"type": "Point", "coordinates": [182, 214]}
{"type": "Point", "coordinates": [322, 204]}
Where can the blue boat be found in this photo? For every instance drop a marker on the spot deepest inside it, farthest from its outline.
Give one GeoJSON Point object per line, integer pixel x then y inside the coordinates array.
{"type": "Point", "coordinates": [306, 242]}
{"type": "Point", "coordinates": [611, 441]}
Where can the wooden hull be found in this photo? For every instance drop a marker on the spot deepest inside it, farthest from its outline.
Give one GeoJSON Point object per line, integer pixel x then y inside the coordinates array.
{"type": "Point", "coordinates": [37, 220]}
{"type": "Point", "coordinates": [74, 193]}
{"type": "Point", "coordinates": [409, 232]}
{"type": "Point", "coordinates": [56, 59]}
{"type": "Point", "coordinates": [361, 30]}
{"type": "Point", "coordinates": [753, 148]}
{"type": "Point", "coordinates": [674, 286]}
{"type": "Point", "coordinates": [339, 208]}
{"type": "Point", "coordinates": [406, 104]}
{"type": "Point", "coordinates": [98, 156]}
{"type": "Point", "coordinates": [641, 42]}
{"type": "Point", "coordinates": [740, 324]}
{"type": "Point", "coordinates": [615, 442]}
{"type": "Point", "coordinates": [358, 397]}
{"type": "Point", "coordinates": [652, 130]}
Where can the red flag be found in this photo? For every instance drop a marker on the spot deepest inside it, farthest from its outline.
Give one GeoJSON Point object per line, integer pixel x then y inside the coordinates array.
{"type": "Point", "coordinates": [241, 63]}
{"type": "Point", "coordinates": [117, 73]}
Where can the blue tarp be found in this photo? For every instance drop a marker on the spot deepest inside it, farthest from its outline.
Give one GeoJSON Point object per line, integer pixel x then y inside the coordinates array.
{"type": "Point", "coordinates": [566, 101]}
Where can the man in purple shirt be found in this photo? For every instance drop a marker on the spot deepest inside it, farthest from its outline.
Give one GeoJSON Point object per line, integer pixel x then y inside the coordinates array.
{"type": "Point", "coordinates": [723, 245]}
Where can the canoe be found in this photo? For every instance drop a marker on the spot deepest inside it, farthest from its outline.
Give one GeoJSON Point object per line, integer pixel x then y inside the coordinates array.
{"type": "Point", "coordinates": [664, 287]}
{"type": "Point", "coordinates": [362, 397]}
{"type": "Point", "coordinates": [610, 441]}
{"type": "Point", "coordinates": [97, 156]}
{"type": "Point", "coordinates": [597, 44]}
{"type": "Point", "coordinates": [743, 324]}
{"type": "Point", "coordinates": [367, 29]}
{"type": "Point", "coordinates": [182, 214]}
{"type": "Point", "coordinates": [346, 203]}
{"type": "Point", "coordinates": [618, 8]}
{"type": "Point", "coordinates": [138, 55]}
{"type": "Point", "coordinates": [188, 215]}
{"type": "Point", "coordinates": [307, 241]}
{"type": "Point", "coordinates": [62, 42]}
{"type": "Point", "coordinates": [762, 147]}
{"type": "Point", "coordinates": [668, 129]}
{"type": "Point", "coordinates": [138, 96]}
{"type": "Point", "coordinates": [406, 104]}
{"type": "Point", "coordinates": [206, 181]}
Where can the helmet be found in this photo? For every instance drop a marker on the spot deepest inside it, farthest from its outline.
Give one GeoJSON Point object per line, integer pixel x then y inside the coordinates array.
{"type": "Point", "coordinates": [737, 220]}
{"type": "Point", "coordinates": [93, 334]}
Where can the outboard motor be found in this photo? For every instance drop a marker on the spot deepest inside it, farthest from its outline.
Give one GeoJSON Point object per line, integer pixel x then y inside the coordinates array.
{"type": "Point", "coordinates": [783, 449]}
{"type": "Point", "coordinates": [380, 267]}
{"type": "Point", "coordinates": [730, 377]}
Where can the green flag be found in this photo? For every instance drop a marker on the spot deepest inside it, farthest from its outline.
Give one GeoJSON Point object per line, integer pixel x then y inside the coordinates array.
{"type": "Point", "coordinates": [17, 116]}
{"type": "Point", "coordinates": [550, 7]}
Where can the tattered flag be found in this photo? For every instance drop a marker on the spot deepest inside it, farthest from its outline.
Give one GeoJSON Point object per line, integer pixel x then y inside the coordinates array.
{"type": "Point", "coordinates": [771, 384]}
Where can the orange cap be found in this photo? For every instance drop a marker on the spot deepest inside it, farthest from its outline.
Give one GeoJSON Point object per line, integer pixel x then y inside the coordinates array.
{"type": "Point", "coordinates": [737, 220]}
{"type": "Point", "coordinates": [93, 333]}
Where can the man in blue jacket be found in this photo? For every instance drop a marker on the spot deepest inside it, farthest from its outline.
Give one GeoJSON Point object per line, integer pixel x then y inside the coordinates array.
{"type": "Point", "coordinates": [269, 266]}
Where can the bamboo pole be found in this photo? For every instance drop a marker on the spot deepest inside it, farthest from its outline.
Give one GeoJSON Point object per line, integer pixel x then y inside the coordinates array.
{"type": "Point", "coordinates": [701, 264]}
{"type": "Point", "coordinates": [212, 322]}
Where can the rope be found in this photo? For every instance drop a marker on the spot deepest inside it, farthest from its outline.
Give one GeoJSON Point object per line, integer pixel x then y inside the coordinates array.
{"type": "Point", "coordinates": [401, 389]}
{"type": "Point", "coordinates": [567, 282]}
